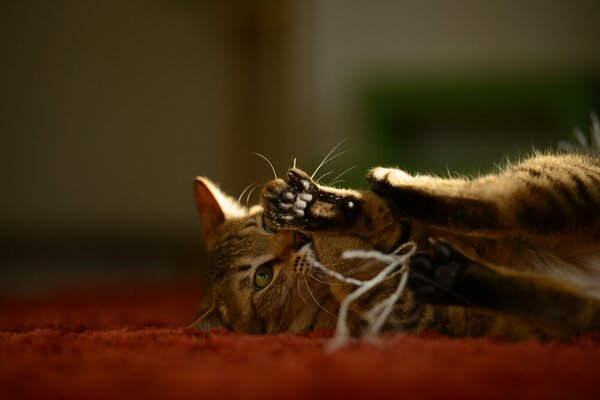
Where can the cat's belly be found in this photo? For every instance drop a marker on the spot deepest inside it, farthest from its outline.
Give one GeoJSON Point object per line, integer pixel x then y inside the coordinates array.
{"type": "Point", "coordinates": [587, 275]}
{"type": "Point", "coordinates": [580, 271]}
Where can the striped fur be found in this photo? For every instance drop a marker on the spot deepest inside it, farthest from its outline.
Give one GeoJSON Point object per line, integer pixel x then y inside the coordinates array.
{"type": "Point", "coordinates": [529, 234]}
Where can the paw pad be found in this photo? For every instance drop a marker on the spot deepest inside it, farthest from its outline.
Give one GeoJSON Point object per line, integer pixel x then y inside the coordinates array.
{"type": "Point", "coordinates": [287, 202]}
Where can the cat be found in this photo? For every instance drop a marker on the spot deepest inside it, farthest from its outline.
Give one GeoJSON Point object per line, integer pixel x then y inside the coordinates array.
{"type": "Point", "coordinates": [514, 254]}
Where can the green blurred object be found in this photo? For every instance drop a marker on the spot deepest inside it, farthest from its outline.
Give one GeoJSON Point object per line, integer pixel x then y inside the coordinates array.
{"type": "Point", "coordinates": [466, 125]}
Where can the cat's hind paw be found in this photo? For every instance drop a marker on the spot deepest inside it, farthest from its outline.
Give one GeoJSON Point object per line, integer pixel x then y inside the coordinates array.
{"type": "Point", "coordinates": [435, 277]}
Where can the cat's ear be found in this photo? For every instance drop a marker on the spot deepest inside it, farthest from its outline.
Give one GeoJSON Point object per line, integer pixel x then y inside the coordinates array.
{"type": "Point", "coordinates": [208, 315]}
{"type": "Point", "coordinates": [214, 207]}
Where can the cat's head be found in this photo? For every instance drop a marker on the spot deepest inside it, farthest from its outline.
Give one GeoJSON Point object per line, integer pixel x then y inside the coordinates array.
{"type": "Point", "coordinates": [258, 280]}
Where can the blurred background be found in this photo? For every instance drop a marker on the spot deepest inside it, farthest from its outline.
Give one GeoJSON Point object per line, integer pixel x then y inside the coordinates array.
{"type": "Point", "coordinates": [110, 108]}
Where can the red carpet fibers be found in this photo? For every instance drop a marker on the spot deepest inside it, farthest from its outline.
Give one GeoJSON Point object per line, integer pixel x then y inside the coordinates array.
{"type": "Point", "coordinates": [132, 346]}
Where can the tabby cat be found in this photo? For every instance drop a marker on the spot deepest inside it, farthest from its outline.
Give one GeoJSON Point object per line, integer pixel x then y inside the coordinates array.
{"type": "Point", "coordinates": [516, 253]}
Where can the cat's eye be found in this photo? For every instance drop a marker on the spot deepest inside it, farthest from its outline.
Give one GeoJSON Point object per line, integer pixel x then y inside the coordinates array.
{"type": "Point", "coordinates": [267, 228]}
{"type": "Point", "coordinates": [263, 276]}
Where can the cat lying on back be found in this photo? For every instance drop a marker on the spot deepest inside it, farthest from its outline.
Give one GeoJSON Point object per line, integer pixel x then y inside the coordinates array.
{"type": "Point", "coordinates": [518, 255]}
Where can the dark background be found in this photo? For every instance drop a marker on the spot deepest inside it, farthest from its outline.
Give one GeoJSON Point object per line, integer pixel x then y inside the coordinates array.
{"type": "Point", "coordinates": [109, 109]}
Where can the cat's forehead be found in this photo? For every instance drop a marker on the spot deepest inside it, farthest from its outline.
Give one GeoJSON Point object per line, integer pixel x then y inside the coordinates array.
{"type": "Point", "coordinates": [239, 243]}
{"type": "Point", "coordinates": [235, 239]}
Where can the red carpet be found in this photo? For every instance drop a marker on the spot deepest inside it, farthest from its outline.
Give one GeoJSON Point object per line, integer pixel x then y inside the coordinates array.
{"type": "Point", "coordinates": [131, 345]}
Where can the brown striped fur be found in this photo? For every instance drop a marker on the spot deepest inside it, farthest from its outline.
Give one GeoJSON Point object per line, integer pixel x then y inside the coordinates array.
{"type": "Point", "coordinates": [527, 239]}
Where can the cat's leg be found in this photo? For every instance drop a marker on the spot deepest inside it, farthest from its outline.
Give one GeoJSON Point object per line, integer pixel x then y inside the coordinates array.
{"type": "Point", "coordinates": [299, 203]}
{"type": "Point", "coordinates": [543, 198]}
{"type": "Point", "coordinates": [446, 277]}
{"type": "Point", "coordinates": [457, 205]}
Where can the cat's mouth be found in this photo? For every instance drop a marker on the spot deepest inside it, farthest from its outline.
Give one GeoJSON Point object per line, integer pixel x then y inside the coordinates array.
{"type": "Point", "coordinates": [300, 240]}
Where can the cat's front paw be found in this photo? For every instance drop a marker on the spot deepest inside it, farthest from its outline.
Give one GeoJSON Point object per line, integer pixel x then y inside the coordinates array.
{"type": "Point", "coordinates": [286, 203]}
{"type": "Point", "coordinates": [435, 277]}
{"type": "Point", "coordinates": [383, 180]}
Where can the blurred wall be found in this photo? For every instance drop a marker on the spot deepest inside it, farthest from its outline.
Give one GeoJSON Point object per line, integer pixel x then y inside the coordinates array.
{"type": "Point", "coordinates": [443, 40]}
{"type": "Point", "coordinates": [109, 109]}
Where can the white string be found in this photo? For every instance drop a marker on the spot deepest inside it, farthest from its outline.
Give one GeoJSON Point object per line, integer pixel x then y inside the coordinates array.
{"type": "Point", "coordinates": [378, 313]}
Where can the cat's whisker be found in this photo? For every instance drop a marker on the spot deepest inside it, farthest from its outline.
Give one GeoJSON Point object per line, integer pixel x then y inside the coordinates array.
{"type": "Point", "coordinates": [341, 174]}
{"type": "Point", "coordinates": [362, 267]}
{"type": "Point", "coordinates": [319, 280]}
{"type": "Point", "coordinates": [244, 191]}
{"type": "Point", "coordinates": [300, 291]}
{"type": "Point", "coordinates": [336, 275]}
{"type": "Point", "coordinates": [250, 193]}
{"type": "Point", "coordinates": [324, 175]}
{"type": "Point", "coordinates": [338, 181]}
{"type": "Point", "coordinates": [334, 264]}
{"type": "Point", "coordinates": [294, 163]}
{"type": "Point", "coordinates": [317, 271]}
{"type": "Point", "coordinates": [316, 301]}
{"type": "Point", "coordinates": [331, 159]}
{"type": "Point", "coordinates": [267, 160]}
{"type": "Point", "coordinates": [326, 159]}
